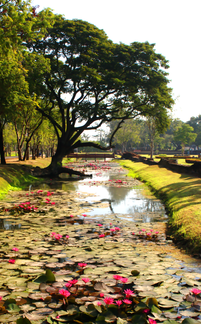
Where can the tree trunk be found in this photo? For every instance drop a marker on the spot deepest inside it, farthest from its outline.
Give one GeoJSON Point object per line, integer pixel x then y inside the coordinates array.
{"type": "Point", "coordinates": [19, 153]}
{"type": "Point", "coordinates": [3, 160]}
{"type": "Point", "coordinates": [55, 168]}
{"type": "Point", "coordinates": [26, 152]}
{"type": "Point", "coordinates": [152, 149]}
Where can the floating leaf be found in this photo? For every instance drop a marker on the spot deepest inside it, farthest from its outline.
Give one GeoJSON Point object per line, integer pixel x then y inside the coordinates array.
{"type": "Point", "coordinates": [106, 316]}
{"type": "Point", "coordinates": [139, 319]}
{"type": "Point", "coordinates": [23, 320]}
{"type": "Point", "coordinates": [13, 308]}
{"type": "Point", "coordinates": [170, 322]}
{"type": "Point", "coordinates": [121, 321]}
{"type": "Point", "coordinates": [47, 277]}
{"type": "Point", "coordinates": [135, 273]}
{"type": "Point", "coordinates": [89, 310]}
{"type": "Point", "coordinates": [190, 321]}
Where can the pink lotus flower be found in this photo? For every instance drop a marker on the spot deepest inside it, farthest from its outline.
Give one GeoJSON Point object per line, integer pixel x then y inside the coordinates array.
{"type": "Point", "coordinates": [128, 293]}
{"type": "Point", "coordinates": [15, 249]}
{"type": "Point", "coordinates": [82, 265]}
{"type": "Point", "coordinates": [151, 321]}
{"type": "Point", "coordinates": [64, 293]}
{"type": "Point", "coordinates": [39, 191]}
{"type": "Point", "coordinates": [156, 232]}
{"type": "Point", "coordinates": [84, 215]}
{"type": "Point", "coordinates": [58, 236]}
{"type": "Point", "coordinates": [108, 300]}
{"type": "Point", "coordinates": [68, 285]}
{"type": "Point", "coordinates": [1, 298]}
{"type": "Point", "coordinates": [146, 311]}
{"type": "Point", "coordinates": [119, 302]}
{"type": "Point", "coordinates": [195, 291]}
{"type": "Point", "coordinates": [67, 236]}
{"type": "Point", "coordinates": [112, 229]}
{"type": "Point", "coordinates": [102, 235]}
{"type": "Point", "coordinates": [133, 233]}
{"type": "Point", "coordinates": [100, 224]}
{"type": "Point", "coordinates": [99, 303]}
{"type": "Point", "coordinates": [101, 294]}
{"type": "Point", "coordinates": [71, 215]}
{"type": "Point", "coordinates": [117, 277]}
{"type": "Point", "coordinates": [117, 229]}
{"type": "Point", "coordinates": [11, 261]}
{"type": "Point", "coordinates": [73, 281]}
{"type": "Point", "coordinates": [127, 301]}
{"type": "Point", "coordinates": [85, 280]}
{"type": "Point", "coordinates": [124, 280]}
{"type": "Point", "coordinates": [53, 203]}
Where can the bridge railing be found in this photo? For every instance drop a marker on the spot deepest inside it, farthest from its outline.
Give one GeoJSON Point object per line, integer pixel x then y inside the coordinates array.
{"type": "Point", "coordinates": [91, 155]}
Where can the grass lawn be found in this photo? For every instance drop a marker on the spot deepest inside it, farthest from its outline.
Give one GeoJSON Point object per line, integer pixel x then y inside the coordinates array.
{"type": "Point", "coordinates": [181, 194]}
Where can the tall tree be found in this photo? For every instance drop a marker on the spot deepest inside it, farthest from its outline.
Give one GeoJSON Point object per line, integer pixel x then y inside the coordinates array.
{"type": "Point", "coordinates": [93, 81]}
{"type": "Point", "coordinates": [185, 135]}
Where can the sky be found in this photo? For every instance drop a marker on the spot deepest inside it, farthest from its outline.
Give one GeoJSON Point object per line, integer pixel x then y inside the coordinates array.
{"type": "Point", "coordinates": [174, 26]}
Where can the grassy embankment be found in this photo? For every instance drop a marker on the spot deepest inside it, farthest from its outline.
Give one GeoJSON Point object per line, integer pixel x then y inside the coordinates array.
{"type": "Point", "coordinates": [181, 194]}
{"type": "Point", "coordinates": [16, 175]}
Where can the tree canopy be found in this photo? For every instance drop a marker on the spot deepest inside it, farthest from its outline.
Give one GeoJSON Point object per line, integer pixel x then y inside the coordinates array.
{"type": "Point", "coordinates": [93, 81]}
{"type": "Point", "coordinates": [185, 135]}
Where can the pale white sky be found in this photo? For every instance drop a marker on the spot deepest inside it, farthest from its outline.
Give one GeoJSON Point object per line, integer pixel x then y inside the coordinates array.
{"type": "Point", "coordinates": [173, 25]}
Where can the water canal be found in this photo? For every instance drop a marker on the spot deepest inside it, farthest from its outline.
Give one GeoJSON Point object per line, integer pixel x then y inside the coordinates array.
{"type": "Point", "coordinates": [111, 222]}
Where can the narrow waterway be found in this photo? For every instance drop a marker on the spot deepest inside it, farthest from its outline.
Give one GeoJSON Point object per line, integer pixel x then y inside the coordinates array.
{"type": "Point", "coordinates": [110, 191]}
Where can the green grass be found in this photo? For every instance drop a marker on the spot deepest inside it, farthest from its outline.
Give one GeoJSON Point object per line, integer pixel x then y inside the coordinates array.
{"type": "Point", "coordinates": [17, 176]}
{"type": "Point", "coordinates": [182, 197]}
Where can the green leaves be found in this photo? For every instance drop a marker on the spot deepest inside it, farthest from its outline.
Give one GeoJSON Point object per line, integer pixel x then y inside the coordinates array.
{"type": "Point", "coordinates": [23, 320]}
{"type": "Point", "coordinates": [103, 81]}
{"type": "Point", "coordinates": [47, 277]}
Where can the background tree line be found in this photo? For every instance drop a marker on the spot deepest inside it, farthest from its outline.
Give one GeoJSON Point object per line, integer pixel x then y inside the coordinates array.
{"type": "Point", "coordinates": [139, 134]}
{"type": "Point", "coordinates": [142, 134]}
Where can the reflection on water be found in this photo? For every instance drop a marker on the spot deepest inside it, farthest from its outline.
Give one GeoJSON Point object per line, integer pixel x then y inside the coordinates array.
{"type": "Point", "coordinates": [8, 225]}
{"type": "Point", "coordinates": [121, 200]}
{"type": "Point", "coordinates": [124, 202]}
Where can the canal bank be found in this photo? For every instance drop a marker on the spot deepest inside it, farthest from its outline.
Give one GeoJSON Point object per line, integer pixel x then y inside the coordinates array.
{"type": "Point", "coordinates": [181, 195]}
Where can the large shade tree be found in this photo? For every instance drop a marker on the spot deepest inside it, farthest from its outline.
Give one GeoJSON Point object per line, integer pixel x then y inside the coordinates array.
{"type": "Point", "coordinates": [94, 81]}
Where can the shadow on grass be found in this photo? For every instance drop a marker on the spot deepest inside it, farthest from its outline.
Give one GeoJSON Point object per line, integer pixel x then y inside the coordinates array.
{"type": "Point", "coordinates": [183, 194]}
